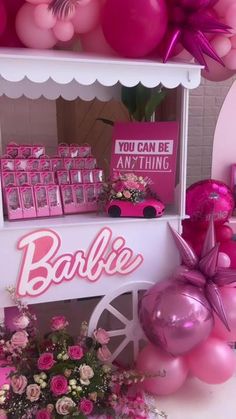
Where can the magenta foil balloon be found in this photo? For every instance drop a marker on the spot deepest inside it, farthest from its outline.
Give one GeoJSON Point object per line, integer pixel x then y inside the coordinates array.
{"type": "Point", "coordinates": [209, 198]}
{"type": "Point", "coordinates": [133, 28]}
{"type": "Point", "coordinates": [177, 319]}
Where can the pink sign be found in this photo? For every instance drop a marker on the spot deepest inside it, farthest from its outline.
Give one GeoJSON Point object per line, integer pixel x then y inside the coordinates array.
{"type": "Point", "coordinates": [147, 149]}
{"type": "Point", "coordinates": [43, 265]}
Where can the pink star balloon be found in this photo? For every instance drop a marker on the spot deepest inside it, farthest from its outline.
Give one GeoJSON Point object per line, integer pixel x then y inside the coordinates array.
{"type": "Point", "coordinates": [204, 272]}
{"type": "Point", "coordinates": [189, 21]}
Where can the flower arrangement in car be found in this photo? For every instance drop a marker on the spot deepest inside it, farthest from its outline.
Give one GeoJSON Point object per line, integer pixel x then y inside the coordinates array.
{"type": "Point", "coordinates": [130, 195]}
{"type": "Point", "coordinates": [63, 377]}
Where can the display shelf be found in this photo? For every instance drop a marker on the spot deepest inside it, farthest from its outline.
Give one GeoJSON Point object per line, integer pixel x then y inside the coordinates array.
{"type": "Point", "coordinates": [77, 220]}
{"type": "Point", "coordinates": [52, 74]}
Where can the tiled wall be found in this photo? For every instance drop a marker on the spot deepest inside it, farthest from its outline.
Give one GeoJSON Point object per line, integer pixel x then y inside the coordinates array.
{"type": "Point", "coordinates": [34, 121]}
{"type": "Point", "coordinates": [205, 104]}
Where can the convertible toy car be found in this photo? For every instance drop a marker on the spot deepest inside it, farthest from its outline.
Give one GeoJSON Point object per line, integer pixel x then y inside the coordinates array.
{"type": "Point", "coordinates": [149, 208]}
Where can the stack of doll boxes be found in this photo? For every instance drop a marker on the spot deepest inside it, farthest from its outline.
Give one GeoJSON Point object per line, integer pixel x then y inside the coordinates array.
{"type": "Point", "coordinates": [79, 178]}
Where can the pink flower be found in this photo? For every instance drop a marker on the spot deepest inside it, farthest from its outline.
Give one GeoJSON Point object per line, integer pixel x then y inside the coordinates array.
{"type": "Point", "coordinates": [18, 383]}
{"type": "Point", "coordinates": [33, 392]}
{"type": "Point", "coordinates": [19, 339]}
{"type": "Point", "coordinates": [86, 406]}
{"type": "Point", "coordinates": [46, 361]}
{"type": "Point", "coordinates": [58, 323]}
{"type": "Point", "coordinates": [58, 385]}
{"type": "Point", "coordinates": [103, 354]}
{"type": "Point", "coordinates": [21, 321]}
{"type": "Point", "coordinates": [3, 414]}
{"type": "Point", "coordinates": [64, 406]}
{"type": "Point", "coordinates": [86, 373]}
{"type": "Point", "coordinates": [101, 336]}
{"type": "Point", "coordinates": [75, 352]}
{"type": "Point", "coordinates": [127, 194]}
{"type": "Point", "coordinates": [43, 414]}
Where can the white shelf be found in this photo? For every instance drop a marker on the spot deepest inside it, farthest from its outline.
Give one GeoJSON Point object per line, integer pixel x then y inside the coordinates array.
{"type": "Point", "coordinates": [51, 74]}
{"type": "Point", "coordinates": [76, 220]}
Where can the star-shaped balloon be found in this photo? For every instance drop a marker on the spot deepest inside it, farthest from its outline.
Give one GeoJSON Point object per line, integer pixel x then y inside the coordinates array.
{"type": "Point", "coordinates": [189, 21]}
{"type": "Point", "coordinates": [204, 272]}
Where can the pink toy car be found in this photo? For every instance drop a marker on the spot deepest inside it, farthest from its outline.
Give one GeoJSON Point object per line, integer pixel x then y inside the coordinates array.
{"type": "Point", "coordinates": [149, 208]}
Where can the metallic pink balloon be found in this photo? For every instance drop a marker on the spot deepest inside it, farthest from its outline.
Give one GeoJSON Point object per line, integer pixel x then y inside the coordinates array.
{"type": "Point", "coordinates": [178, 319]}
{"type": "Point", "coordinates": [209, 198]}
{"type": "Point", "coordinates": [134, 28]}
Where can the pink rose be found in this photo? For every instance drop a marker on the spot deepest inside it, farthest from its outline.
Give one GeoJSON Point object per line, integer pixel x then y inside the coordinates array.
{"type": "Point", "coordinates": [58, 385]}
{"type": "Point", "coordinates": [86, 406]}
{"type": "Point", "coordinates": [3, 414]}
{"type": "Point", "coordinates": [58, 323]}
{"type": "Point", "coordinates": [86, 373]}
{"type": "Point", "coordinates": [64, 406]}
{"type": "Point", "coordinates": [46, 361]}
{"type": "Point", "coordinates": [43, 414]}
{"type": "Point", "coordinates": [21, 321]}
{"type": "Point", "coordinates": [19, 339]}
{"type": "Point", "coordinates": [127, 194]}
{"type": "Point", "coordinates": [18, 383]}
{"type": "Point", "coordinates": [75, 352]}
{"type": "Point", "coordinates": [101, 336]}
{"type": "Point", "coordinates": [103, 354]}
{"type": "Point", "coordinates": [33, 392]}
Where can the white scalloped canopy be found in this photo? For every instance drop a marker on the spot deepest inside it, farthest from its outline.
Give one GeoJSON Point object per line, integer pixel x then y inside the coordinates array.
{"type": "Point", "coordinates": [52, 74]}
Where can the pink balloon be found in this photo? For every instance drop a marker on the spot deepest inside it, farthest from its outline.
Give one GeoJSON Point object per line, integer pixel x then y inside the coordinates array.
{"type": "Point", "coordinates": [213, 361]}
{"type": "Point", "coordinates": [230, 16]}
{"type": "Point", "coordinates": [3, 17]}
{"type": "Point", "coordinates": [175, 316]}
{"type": "Point", "coordinates": [230, 60]}
{"type": "Point", "coordinates": [38, 1]}
{"type": "Point", "coordinates": [216, 71]}
{"type": "Point", "coordinates": [223, 260]}
{"type": "Point", "coordinates": [64, 31]}
{"type": "Point", "coordinates": [233, 41]}
{"type": "Point", "coordinates": [228, 295]}
{"type": "Point", "coordinates": [13, 6]}
{"type": "Point", "coordinates": [95, 42]}
{"type": "Point", "coordinates": [29, 33]}
{"type": "Point", "coordinates": [44, 17]}
{"type": "Point", "coordinates": [87, 16]}
{"type": "Point", "coordinates": [222, 5]}
{"type": "Point", "coordinates": [171, 372]}
{"type": "Point", "coordinates": [221, 44]}
{"type": "Point", "coordinates": [229, 248]}
{"type": "Point", "coordinates": [134, 28]}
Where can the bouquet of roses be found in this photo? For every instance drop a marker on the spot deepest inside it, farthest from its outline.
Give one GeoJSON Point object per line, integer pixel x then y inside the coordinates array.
{"type": "Point", "coordinates": [64, 377]}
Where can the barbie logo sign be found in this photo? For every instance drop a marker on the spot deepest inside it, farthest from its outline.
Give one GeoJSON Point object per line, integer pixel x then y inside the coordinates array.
{"type": "Point", "coordinates": [43, 265]}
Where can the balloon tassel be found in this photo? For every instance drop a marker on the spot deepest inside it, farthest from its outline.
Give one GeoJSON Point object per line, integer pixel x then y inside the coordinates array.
{"type": "Point", "coordinates": [210, 239]}
{"type": "Point", "coordinates": [188, 255]}
{"type": "Point", "coordinates": [215, 300]}
{"type": "Point", "coordinates": [208, 264]}
{"type": "Point", "coordinates": [173, 40]}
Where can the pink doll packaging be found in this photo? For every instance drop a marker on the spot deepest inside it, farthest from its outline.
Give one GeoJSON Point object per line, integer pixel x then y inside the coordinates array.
{"type": "Point", "coordinates": [8, 179]}
{"type": "Point", "coordinates": [68, 199]}
{"type": "Point", "coordinates": [63, 177]}
{"type": "Point", "coordinates": [87, 176]}
{"type": "Point", "coordinates": [33, 165]}
{"type": "Point", "coordinates": [54, 200]}
{"type": "Point", "coordinates": [79, 163]}
{"type": "Point", "coordinates": [35, 178]}
{"type": "Point", "coordinates": [69, 163]}
{"type": "Point", "coordinates": [90, 197]}
{"type": "Point", "coordinates": [41, 201]}
{"type": "Point", "coordinates": [13, 150]}
{"type": "Point", "coordinates": [57, 163]}
{"type": "Point", "coordinates": [79, 195]}
{"type": "Point", "coordinates": [98, 175]}
{"type": "Point", "coordinates": [7, 164]}
{"type": "Point", "coordinates": [13, 203]}
{"type": "Point", "coordinates": [38, 151]}
{"type": "Point", "coordinates": [75, 176]}
{"type": "Point", "coordinates": [28, 202]}
{"type": "Point", "coordinates": [21, 165]}
{"type": "Point", "coordinates": [47, 178]}
{"type": "Point", "coordinates": [85, 151]}
{"type": "Point", "coordinates": [90, 163]}
{"type": "Point", "coordinates": [22, 178]}
{"type": "Point", "coordinates": [64, 150]}
{"type": "Point", "coordinates": [25, 151]}
{"type": "Point", "coordinates": [74, 150]}
{"type": "Point", "coordinates": [45, 164]}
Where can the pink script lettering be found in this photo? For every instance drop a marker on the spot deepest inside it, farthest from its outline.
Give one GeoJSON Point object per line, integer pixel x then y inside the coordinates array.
{"type": "Point", "coordinates": [41, 266]}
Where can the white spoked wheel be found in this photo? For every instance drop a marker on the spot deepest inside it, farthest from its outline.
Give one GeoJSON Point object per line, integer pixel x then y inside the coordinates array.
{"type": "Point", "coordinates": [132, 331]}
